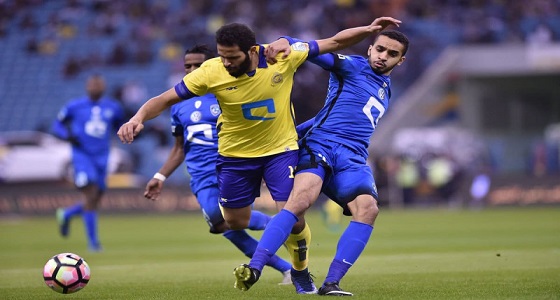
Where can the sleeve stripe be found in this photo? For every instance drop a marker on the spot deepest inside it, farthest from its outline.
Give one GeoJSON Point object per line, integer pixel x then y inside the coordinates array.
{"type": "Point", "coordinates": [182, 91]}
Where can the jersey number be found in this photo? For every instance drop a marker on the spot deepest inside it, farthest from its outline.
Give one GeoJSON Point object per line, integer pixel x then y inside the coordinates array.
{"type": "Point", "coordinates": [247, 109]}
{"type": "Point", "coordinates": [205, 129]}
{"type": "Point", "coordinates": [372, 102]}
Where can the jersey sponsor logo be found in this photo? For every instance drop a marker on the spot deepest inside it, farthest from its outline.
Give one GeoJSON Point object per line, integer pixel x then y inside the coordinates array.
{"type": "Point", "coordinates": [215, 109]}
{"type": "Point", "coordinates": [381, 94]}
{"type": "Point", "coordinates": [231, 88]}
{"type": "Point", "coordinates": [250, 109]}
{"type": "Point", "coordinates": [277, 78]}
{"type": "Point", "coordinates": [299, 46]}
{"type": "Point", "coordinates": [196, 116]}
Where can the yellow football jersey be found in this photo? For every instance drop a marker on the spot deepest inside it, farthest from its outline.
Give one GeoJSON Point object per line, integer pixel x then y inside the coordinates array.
{"type": "Point", "coordinates": [257, 115]}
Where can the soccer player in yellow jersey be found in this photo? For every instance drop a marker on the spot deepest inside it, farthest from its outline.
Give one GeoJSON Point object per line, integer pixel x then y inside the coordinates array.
{"type": "Point", "coordinates": [256, 130]}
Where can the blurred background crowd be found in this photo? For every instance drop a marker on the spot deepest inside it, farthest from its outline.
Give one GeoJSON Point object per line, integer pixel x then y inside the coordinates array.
{"type": "Point", "coordinates": [47, 49]}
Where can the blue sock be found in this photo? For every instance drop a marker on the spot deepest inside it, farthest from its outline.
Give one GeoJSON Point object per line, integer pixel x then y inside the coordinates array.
{"type": "Point", "coordinates": [350, 245]}
{"type": "Point", "coordinates": [258, 220]}
{"type": "Point", "coordinates": [274, 235]}
{"type": "Point", "coordinates": [279, 264]}
{"type": "Point", "coordinates": [242, 241]}
{"type": "Point", "coordinates": [76, 209]}
{"type": "Point", "coordinates": [248, 244]}
{"type": "Point", "coordinates": [90, 223]}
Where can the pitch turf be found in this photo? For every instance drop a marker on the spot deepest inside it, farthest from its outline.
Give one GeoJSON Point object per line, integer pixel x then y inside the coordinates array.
{"type": "Point", "coordinates": [509, 253]}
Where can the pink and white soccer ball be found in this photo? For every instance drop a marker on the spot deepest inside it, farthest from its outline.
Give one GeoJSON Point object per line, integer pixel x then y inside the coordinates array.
{"type": "Point", "coordinates": [66, 273]}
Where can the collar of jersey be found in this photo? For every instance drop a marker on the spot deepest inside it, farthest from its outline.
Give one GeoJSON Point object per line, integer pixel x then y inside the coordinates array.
{"type": "Point", "coordinates": [262, 61]}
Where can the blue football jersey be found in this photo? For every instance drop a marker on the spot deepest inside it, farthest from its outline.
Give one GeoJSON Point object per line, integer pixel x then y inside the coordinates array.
{"type": "Point", "coordinates": [196, 121]}
{"type": "Point", "coordinates": [356, 99]}
{"type": "Point", "coordinates": [91, 124]}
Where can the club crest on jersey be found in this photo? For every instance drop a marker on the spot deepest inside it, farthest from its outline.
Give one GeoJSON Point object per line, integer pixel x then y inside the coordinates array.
{"type": "Point", "coordinates": [196, 116]}
{"type": "Point", "coordinates": [215, 109]}
{"type": "Point", "coordinates": [107, 113]}
{"type": "Point", "coordinates": [277, 78]}
{"type": "Point", "coordinates": [381, 94]}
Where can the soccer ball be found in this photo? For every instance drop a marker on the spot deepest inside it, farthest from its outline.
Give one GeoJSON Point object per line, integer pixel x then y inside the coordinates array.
{"type": "Point", "coordinates": [66, 273]}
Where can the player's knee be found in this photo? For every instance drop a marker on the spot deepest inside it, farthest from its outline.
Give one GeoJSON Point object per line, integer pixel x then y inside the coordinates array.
{"type": "Point", "coordinates": [298, 206]}
{"type": "Point", "coordinates": [237, 224]}
{"type": "Point", "coordinates": [366, 210]}
{"type": "Point", "coordinates": [219, 228]}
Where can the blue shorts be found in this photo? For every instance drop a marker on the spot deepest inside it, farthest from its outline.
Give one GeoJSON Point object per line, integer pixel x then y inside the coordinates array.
{"type": "Point", "coordinates": [240, 179]}
{"type": "Point", "coordinates": [345, 174]}
{"type": "Point", "coordinates": [208, 200]}
{"type": "Point", "coordinates": [89, 169]}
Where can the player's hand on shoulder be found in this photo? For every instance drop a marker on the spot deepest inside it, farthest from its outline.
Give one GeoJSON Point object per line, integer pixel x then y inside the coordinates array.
{"type": "Point", "coordinates": [129, 130]}
{"type": "Point", "coordinates": [384, 22]}
{"type": "Point", "coordinates": [274, 48]}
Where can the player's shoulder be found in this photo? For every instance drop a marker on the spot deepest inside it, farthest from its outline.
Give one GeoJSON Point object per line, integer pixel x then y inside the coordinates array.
{"type": "Point", "coordinates": [211, 69]}
{"type": "Point", "coordinates": [298, 50]}
{"type": "Point", "coordinates": [110, 102]}
{"type": "Point", "coordinates": [75, 102]}
{"type": "Point", "coordinates": [300, 47]}
{"type": "Point", "coordinates": [354, 63]}
{"type": "Point", "coordinates": [211, 63]}
{"type": "Point", "coordinates": [354, 59]}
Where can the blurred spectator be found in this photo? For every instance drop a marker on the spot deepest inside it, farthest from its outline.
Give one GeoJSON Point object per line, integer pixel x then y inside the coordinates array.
{"type": "Point", "coordinates": [119, 54]}
{"type": "Point", "coordinates": [32, 46]}
{"type": "Point", "coordinates": [540, 36]}
{"type": "Point", "coordinates": [72, 67]}
{"type": "Point", "coordinates": [28, 22]}
{"type": "Point", "coordinates": [134, 94]}
{"type": "Point", "coordinates": [48, 47]}
{"type": "Point", "coordinates": [407, 179]}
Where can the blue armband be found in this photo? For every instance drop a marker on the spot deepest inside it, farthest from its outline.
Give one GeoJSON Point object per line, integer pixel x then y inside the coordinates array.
{"type": "Point", "coordinates": [182, 91]}
{"type": "Point", "coordinates": [313, 49]}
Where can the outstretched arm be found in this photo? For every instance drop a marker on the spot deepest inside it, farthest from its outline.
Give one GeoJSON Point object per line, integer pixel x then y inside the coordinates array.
{"type": "Point", "coordinates": [151, 109]}
{"type": "Point", "coordinates": [339, 41]}
{"type": "Point", "coordinates": [352, 36]}
{"type": "Point", "coordinates": [174, 160]}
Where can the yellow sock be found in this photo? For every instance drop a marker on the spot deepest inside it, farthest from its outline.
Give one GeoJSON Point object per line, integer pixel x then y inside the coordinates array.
{"type": "Point", "coordinates": [298, 247]}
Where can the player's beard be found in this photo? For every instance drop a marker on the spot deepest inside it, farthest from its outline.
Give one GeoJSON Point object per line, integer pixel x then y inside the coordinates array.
{"type": "Point", "coordinates": [380, 69]}
{"type": "Point", "coordinates": [242, 68]}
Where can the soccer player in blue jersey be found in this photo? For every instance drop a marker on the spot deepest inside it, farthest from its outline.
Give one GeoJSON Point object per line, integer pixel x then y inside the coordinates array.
{"type": "Point", "coordinates": [193, 124]}
{"type": "Point", "coordinates": [333, 155]}
{"type": "Point", "coordinates": [256, 130]}
{"type": "Point", "coordinates": [87, 123]}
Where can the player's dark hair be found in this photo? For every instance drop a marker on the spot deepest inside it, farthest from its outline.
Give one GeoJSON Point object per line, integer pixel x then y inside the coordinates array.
{"type": "Point", "coordinates": [201, 49]}
{"type": "Point", "coordinates": [236, 34]}
{"type": "Point", "coordinates": [397, 36]}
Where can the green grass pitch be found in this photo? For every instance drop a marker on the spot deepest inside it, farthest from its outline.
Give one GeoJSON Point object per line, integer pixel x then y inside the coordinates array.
{"type": "Point", "coordinates": [510, 253]}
